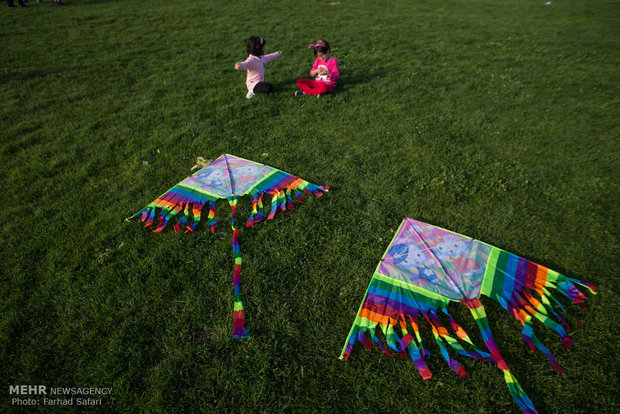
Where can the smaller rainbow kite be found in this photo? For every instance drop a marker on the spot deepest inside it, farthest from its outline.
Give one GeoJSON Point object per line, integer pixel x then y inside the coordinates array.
{"type": "Point", "coordinates": [425, 268]}
{"type": "Point", "coordinates": [230, 178]}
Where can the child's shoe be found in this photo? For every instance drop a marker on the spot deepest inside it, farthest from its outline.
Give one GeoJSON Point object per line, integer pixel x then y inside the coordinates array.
{"type": "Point", "coordinates": [250, 95]}
{"type": "Point", "coordinates": [299, 93]}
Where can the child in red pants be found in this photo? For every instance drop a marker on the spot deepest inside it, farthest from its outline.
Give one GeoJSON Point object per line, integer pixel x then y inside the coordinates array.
{"type": "Point", "coordinates": [325, 72]}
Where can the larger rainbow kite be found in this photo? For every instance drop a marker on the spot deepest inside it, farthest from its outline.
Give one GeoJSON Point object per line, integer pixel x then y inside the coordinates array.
{"type": "Point", "coordinates": [230, 178]}
{"type": "Point", "coordinates": [426, 267]}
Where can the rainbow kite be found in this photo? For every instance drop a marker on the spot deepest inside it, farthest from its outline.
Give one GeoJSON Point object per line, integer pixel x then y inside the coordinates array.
{"type": "Point", "coordinates": [228, 177]}
{"type": "Point", "coordinates": [425, 267]}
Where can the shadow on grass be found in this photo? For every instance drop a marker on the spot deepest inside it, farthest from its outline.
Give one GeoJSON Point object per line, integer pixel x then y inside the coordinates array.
{"type": "Point", "coordinates": [32, 74]}
{"type": "Point", "coordinates": [347, 81]}
{"type": "Point", "coordinates": [93, 2]}
{"type": "Point", "coordinates": [285, 86]}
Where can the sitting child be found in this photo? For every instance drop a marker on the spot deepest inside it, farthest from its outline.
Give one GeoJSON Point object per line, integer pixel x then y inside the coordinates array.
{"type": "Point", "coordinates": [325, 72]}
{"type": "Point", "coordinates": [255, 66]}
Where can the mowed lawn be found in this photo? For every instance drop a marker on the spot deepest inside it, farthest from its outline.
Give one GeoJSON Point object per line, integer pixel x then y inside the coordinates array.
{"type": "Point", "coordinates": [494, 119]}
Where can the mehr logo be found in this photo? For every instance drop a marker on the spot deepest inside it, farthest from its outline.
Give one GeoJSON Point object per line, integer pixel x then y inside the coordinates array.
{"type": "Point", "coordinates": [28, 389]}
{"type": "Point", "coordinates": [61, 396]}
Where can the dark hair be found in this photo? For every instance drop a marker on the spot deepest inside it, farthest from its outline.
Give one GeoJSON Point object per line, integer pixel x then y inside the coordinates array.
{"type": "Point", "coordinates": [255, 46]}
{"type": "Point", "coordinates": [322, 49]}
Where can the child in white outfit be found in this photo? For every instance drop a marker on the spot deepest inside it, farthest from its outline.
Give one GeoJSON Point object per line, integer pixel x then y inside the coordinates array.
{"type": "Point", "coordinates": [255, 66]}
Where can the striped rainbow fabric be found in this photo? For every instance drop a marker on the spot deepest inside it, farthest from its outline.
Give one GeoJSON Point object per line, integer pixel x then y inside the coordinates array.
{"type": "Point", "coordinates": [425, 268]}
{"type": "Point", "coordinates": [230, 178]}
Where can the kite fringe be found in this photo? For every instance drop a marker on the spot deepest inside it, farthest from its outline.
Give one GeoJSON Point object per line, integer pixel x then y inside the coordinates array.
{"type": "Point", "coordinates": [190, 217]}
{"type": "Point", "coordinates": [282, 199]}
{"type": "Point", "coordinates": [451, 337]}
{"type": "Point", "coordinates": [536, 301]}
{"type": "Point", "coordinates": [409, 342]}
{"type": "Point", "coordinates": [409, 346]}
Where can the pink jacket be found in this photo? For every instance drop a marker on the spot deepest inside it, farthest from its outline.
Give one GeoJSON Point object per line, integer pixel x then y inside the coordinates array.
{"type": "Point", "coordinates": [332, 67]}
{"type": "Point", "coordinates": [256, 68]}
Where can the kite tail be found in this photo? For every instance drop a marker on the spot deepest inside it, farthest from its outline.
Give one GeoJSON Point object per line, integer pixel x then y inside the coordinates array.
{"type": "Point", "coordinates": [282, 187]}
{"type": "Point", "coordinates": [520, 397]}
{"type": "Point", "coordinates": [524, 288]}
{"type": "Point", "coordinates": [239, 330]}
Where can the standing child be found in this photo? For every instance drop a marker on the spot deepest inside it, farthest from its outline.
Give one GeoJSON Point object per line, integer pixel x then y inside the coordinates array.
{"type": "Point", "coordinates": [255, 66]}
{"type": "Point", "coordinates": [325, 72]}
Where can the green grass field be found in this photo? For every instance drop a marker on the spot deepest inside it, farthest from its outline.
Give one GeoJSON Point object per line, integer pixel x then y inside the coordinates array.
{"type": "Point", "coordinates": [494, 119]}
